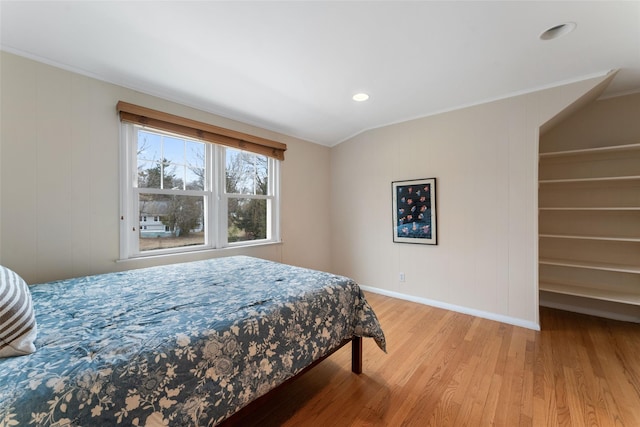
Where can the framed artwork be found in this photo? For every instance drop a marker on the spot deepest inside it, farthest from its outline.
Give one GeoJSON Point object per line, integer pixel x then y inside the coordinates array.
{"type": "Point", "coordinates": [414, 211]}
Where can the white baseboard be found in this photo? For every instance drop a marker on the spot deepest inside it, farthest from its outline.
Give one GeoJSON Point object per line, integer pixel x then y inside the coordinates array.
{"type": "Point", "coordinates": [459, 309]}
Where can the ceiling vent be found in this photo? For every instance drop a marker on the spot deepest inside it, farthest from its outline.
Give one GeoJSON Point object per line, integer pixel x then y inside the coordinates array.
{"type": "Point", "coordinates": [558, 31]}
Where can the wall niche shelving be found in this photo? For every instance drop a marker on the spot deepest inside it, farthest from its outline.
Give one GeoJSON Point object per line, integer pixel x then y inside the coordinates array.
{"type": "Point", "coordinates": [589, 222]}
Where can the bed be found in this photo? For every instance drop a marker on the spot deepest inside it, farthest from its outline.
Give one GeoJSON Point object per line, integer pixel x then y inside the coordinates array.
{"type": "Point", "coordinates": [185, 344]}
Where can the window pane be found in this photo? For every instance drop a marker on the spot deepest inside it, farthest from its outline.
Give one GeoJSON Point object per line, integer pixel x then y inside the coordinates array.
{"type": "Point", "coordinates": [170, 162]}
{"type": "Point", "coordinates": [247, 219]}
{"type": "Point", "coordinates": [149, 146]}
{"type": "Point", "coordinates": [169, 221]}
{"type": "Point", "coordinates": [195, 178]}
{"type": "Point", "coordinates": [173, 149]}
{"type": "Point", "coordinates": [246, 173]}
{"type": "Point", "coordinates": [148, 174]}
{"type": "Point", "coordinates": [195, 153]}
{"type": "Point", "coordinates": [149, 154]}
{"type": "Point", "coordinates": [174, 163]}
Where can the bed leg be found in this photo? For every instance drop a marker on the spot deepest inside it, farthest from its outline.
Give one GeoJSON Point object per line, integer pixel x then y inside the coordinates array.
{"type": "Point", "coordinates": [356, 355]}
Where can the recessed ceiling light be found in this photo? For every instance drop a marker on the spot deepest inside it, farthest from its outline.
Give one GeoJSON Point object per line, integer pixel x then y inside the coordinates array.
{"type": "Point", "coordinates": [360, 97]}
{"type": "Point", "coordinates": [558, 31]}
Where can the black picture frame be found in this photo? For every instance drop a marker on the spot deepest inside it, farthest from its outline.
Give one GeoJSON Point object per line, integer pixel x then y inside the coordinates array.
{"type": "Point", "coordinates": [414, 211]}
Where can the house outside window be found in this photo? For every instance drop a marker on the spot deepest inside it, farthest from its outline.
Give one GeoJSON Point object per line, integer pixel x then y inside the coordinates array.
{"type": "Point", "coordinates": [193, 195]}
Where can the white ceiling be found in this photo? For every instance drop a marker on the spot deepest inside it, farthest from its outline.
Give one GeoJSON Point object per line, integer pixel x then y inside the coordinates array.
{"type": "Point", "coordinates": [292, 67]}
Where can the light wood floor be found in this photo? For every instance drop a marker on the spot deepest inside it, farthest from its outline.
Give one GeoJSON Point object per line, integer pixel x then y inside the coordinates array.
{"type": "Point", "coordinates": [450, 369]}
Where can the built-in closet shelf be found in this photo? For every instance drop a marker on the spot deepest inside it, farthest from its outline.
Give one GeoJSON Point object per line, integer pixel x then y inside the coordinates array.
{"type": "Point", "coordinates": [587, 237]}
{"type": "Point", "coordinates": [589, 222]}
{"type": "Point", "coordinates": [596, 179]}
{"type": "Point", "coordinates": [619, 268]}
{"type": "Point", "coordinates": [601, 294]}
{"type": "Point", "coordinates": [610, 149]}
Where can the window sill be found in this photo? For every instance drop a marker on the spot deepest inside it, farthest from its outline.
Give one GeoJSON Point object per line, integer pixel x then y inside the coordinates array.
{"type": "Point", "coordinates": [196, 255]}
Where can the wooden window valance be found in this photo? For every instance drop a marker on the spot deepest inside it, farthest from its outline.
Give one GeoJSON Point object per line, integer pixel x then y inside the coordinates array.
{"type": "Point", "coordinates": [206, 132]}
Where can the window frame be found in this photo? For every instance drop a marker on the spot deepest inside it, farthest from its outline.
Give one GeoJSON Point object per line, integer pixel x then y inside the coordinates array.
{"type": "Point", "coordinates": [215, 205]}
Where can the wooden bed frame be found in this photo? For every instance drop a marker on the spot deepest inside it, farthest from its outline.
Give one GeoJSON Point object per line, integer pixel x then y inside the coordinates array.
{"type": "Point", "coordinates": [240, 418]}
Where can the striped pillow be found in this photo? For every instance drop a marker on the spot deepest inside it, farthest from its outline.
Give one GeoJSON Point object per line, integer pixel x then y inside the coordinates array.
{"type": "Point", "coordinates": [17, 319]}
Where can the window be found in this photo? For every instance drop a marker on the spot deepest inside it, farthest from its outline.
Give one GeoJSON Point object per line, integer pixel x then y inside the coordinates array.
{"type": "Point", "coordinates": [193, 195]}
{"type": "Point", "coordinates": [247, 195]}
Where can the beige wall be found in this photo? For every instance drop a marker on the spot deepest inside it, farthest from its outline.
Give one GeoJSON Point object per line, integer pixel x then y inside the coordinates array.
{"type": "Point", "coordinates": [485, 162]}
{"type": "Point", "coordinates": [609, 121]}
{"type": "Point", "coordinates": [59, 146]}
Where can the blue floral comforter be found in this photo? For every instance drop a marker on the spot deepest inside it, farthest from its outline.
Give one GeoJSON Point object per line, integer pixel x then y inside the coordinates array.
{"type": "Point", "coordinates": [185, 344]}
